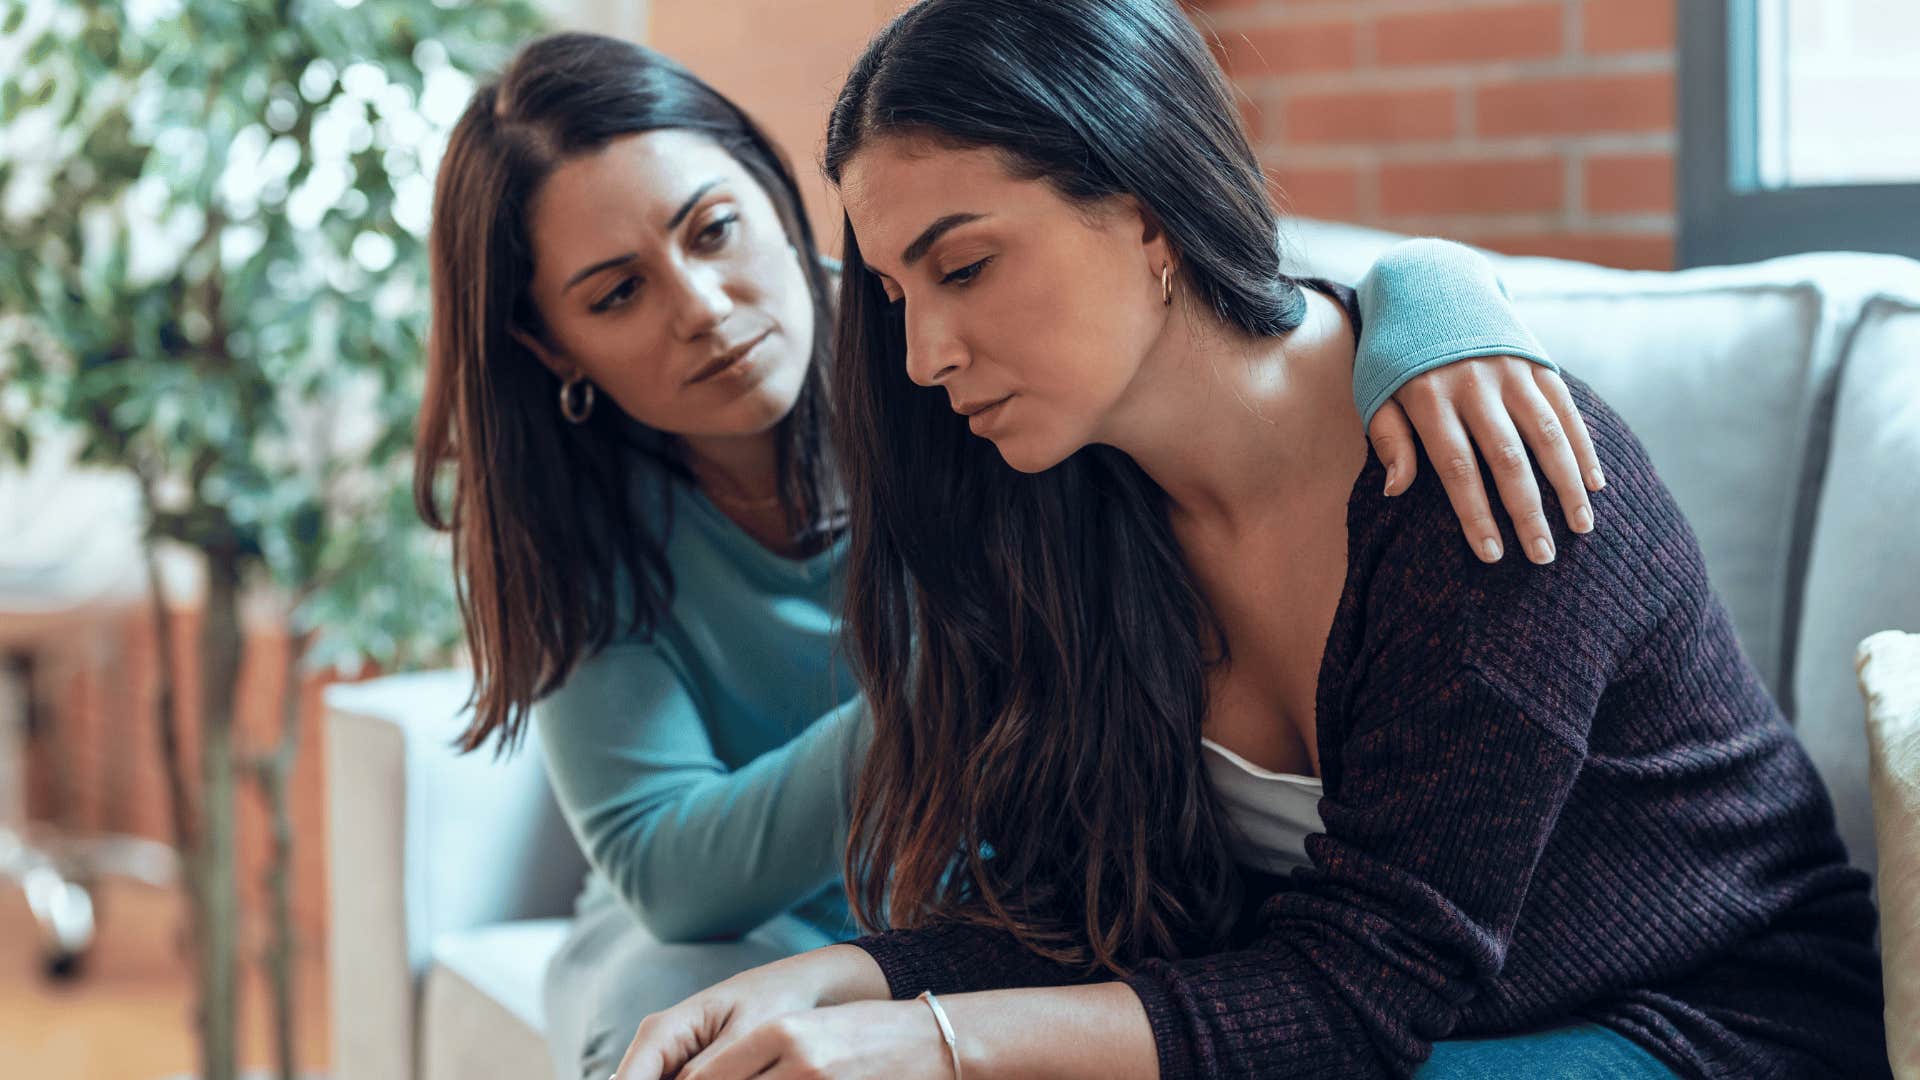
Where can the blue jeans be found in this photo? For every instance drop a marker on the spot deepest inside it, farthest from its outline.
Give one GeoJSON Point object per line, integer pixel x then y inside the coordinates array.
{"type": "Point", "coordinates": [1579, 1052]}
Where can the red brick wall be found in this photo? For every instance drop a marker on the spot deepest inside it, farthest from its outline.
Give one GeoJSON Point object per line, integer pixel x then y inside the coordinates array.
{"type": "Point", "coordinates": [1542, 127]}
{"type": "Point", "coordinates": [95, 765]}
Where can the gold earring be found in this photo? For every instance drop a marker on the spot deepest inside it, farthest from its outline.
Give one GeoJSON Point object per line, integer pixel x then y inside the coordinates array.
{"type": "Point", "coordinates": [576, 412]}
{"type": "Point", "coordinates": [1166, 284]}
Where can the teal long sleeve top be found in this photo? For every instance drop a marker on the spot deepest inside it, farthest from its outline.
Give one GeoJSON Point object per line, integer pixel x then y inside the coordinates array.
{"type": "Point", "coordinates": [707, 771]}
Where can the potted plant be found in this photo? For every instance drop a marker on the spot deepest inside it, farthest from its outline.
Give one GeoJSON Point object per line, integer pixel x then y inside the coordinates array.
{"type": "Point", "coordinates": [212, 267]}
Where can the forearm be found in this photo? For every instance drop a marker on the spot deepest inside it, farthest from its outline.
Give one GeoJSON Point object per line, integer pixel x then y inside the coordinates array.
{"type": "Point", "coordinates": [726, 852]}
{"type": "Point", "coordinates": [1053, 1032]}
{"type": "Point", "coordinates": [844, 974]}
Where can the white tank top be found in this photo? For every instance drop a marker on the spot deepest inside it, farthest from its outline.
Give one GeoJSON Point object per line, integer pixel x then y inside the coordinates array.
{"type": "Point", "coordinates": [1272, 813]}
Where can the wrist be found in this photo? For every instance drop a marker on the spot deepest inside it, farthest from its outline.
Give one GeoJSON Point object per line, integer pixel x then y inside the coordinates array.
{"type": "Point", "coordinates": [949, 1045]}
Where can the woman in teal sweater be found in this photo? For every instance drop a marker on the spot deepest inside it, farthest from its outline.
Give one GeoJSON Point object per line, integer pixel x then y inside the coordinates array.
{"type": "Point", "coordinates": [623, 431]}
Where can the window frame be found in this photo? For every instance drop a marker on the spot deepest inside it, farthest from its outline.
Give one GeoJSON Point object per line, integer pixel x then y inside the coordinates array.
{"type": "Point", "coordinates": [1725, 216]}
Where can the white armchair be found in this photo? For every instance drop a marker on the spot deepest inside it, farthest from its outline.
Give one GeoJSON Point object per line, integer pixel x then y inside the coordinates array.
{"type": "Point", "coordinates": [451, 877]}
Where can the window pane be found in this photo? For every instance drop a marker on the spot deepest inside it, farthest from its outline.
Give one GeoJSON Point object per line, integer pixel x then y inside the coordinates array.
{"type": "Point", "coordinates": [1839, 92]}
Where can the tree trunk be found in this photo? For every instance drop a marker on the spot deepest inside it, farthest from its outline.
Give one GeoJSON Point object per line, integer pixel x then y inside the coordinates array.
{"type": "Point", "coordinates": [183, 814]}
{"type": "Point", "coordinates": [219, 916]}
{"type": "Point", "coordinates": [274, 771]}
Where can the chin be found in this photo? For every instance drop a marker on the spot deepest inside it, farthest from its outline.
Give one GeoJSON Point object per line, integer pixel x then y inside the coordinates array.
{"type": "Point", "coordinates": [1026, 455]}
{"type": "Point", "coordinates": [762, 413]}
{"type": "Point", "coordinates": [769, 403]}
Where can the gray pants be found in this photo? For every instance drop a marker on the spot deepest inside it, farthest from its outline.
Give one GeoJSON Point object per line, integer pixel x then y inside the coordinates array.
{"type": "Point", "coordinates": [610, 974]}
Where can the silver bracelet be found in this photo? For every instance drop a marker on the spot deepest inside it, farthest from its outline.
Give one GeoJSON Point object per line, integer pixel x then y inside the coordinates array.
{"type": "Point", "coordinates": [946, 1029]}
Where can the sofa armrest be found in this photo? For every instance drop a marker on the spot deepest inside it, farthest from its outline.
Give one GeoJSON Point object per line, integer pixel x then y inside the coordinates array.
{"type": "Point", "coordinates": [423, 841]}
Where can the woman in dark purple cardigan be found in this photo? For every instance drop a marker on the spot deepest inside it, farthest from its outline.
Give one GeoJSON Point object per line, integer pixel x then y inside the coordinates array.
{"type": "Point", "coordinates": [1174, 776]}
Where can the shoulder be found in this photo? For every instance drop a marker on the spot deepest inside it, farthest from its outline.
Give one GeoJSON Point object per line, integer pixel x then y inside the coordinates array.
{"type": "Point", "coordinates": [1636, 515]}
{"type": "Point", "coordinates": [1579, 616]}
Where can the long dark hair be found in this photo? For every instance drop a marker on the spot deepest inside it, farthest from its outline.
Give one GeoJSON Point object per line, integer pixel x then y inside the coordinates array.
{"type": "Point", "coordinates": [556, 544]}
{"type": "Point", "coordinates": [1033, 649]}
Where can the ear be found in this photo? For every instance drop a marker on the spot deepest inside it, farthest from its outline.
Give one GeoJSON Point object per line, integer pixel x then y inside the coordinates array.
{"type": "Point", "coordinates": [1154, 242]}
{"type": "Point", "coordinates": [546, 354]}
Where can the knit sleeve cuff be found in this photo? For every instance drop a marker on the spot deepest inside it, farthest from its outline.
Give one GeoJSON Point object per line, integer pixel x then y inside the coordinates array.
{"type": "Point", "coordinates": [1173, 1044]}
{"type": "Point", "coordinates": [916, 960]}
{"type": "Point", "coordinates": [1255, 1014]}
{"type": "Point", "coordinates": [1373, 384]}
{"type": "Point", "coordinates": [957, 958]}
{"type": "Point", "coordinates": [1426, 303]}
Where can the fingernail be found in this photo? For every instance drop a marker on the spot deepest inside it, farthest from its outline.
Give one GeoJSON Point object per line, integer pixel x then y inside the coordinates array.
{"type": "Point", "coordinates": [1489, 550]}
{"type": "Point", "coordinates": [1542, 550]}
{"type": "Point", "coordinates": [1596, 479]}
{"type": "Point", "coordinates": [1583, 519]}
{"type": "Point", "coordinates": [1393, 473]}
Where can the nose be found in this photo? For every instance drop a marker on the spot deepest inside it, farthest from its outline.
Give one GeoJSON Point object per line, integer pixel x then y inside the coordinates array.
{"type": "Point", "coordinates": [934, 353]}
{"type": "Point", "coordinates": [702, 303]}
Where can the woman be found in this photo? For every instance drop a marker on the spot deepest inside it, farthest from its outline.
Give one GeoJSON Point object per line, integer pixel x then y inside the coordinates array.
{"type": "Point", "coordinates": [628, 360]}
{"type": "Point", "coordinates": [1182, 764]}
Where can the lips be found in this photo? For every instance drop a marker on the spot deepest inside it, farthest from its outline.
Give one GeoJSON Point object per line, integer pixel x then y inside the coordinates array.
{"type": "Point", "coordinates": [973, 409]}
{"type": "Point", "coordinates": [727, 359]}
{"type": "Point", "coordinates": [985, 415]}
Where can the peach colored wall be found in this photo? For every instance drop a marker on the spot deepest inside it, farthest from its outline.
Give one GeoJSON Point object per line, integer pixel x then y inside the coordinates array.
{"type": "Point", "coordinates": [781, 60]}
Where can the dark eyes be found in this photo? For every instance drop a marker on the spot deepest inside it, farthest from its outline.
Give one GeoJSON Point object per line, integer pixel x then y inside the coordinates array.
{"type": "Point", "coordinates": [708, 240]}
{"type": "Point", "coordinates": [617, 295]}
{"type": "Point", "coordinates": [715, 235]}
{"type": "Point", "coordinates": [966, 274]}
{"type": "Point", "coordinates": [962, 277]}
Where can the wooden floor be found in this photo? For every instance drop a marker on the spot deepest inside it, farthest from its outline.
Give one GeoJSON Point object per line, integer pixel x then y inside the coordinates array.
{"type": "Point", "coordinates": [129, 1017]}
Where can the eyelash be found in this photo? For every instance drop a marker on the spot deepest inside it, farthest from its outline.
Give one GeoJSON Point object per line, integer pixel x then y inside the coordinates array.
{"type": "Point", "coordinates": [966, 274]}
{"type": "Point", "coordinates": [960, 278]}
{"type": "Point", "coordinates": [724, 227]}
{"type": "Point", "coordinates": [616, 296]}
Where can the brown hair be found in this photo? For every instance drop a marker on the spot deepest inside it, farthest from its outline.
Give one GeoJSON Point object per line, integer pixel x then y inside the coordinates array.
{"type": "Point", "coordinates": [558, 541]}
{"type": "Point", "coordinates": [1033, 649]}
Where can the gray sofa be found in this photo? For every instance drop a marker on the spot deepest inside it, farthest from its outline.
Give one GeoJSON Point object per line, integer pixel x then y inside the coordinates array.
{"type": "Point", "coordinates": [1780, 400]}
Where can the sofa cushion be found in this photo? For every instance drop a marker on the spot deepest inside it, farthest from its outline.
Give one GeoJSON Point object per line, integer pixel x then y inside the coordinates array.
{"type": "Point", "coordinates": [481, 1013]}
{"type": "Point", "coordinates": [1863, 573]}
{"type": "Point", "coordinates": [1697, 362]}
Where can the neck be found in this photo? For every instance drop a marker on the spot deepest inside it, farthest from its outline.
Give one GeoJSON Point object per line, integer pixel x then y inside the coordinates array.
{"type": "Point", "coordinates": [1226, 424]}
{"type": "Point", "coordinates": [735, 468]}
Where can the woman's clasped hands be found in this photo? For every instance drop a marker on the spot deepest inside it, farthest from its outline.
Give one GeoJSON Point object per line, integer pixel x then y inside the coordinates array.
{"type": "Point", "coordinates": [823, 1013]}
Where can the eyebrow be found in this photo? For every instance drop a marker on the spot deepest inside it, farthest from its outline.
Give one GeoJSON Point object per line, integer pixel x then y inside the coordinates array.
{"type": "Point", "coordinates": [932, 234]}
{"type": "Point", "coordinates": [673, 223]}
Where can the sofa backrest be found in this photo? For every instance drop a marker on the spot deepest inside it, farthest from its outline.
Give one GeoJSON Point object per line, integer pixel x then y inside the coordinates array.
{"type": "Point", "coordinates": [1729, 376]}
{"type": "Point", "coordinates": [1863, 572]}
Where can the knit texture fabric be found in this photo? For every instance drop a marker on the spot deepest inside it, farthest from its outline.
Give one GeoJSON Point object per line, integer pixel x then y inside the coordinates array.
{"type": "Point", "coordinates": [1551, 794]}
{"type": "Point", "coordinates": [1454, 310]}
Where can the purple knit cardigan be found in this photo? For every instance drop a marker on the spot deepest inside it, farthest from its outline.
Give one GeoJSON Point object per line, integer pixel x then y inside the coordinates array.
{"type": "Point", "coordinates": [1552, 794]}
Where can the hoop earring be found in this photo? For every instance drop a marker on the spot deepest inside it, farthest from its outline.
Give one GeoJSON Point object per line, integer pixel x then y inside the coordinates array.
{"type": "Point", "coordinates": [1166, 285]}
{"type": "Point", "coordinates": [576, 412]}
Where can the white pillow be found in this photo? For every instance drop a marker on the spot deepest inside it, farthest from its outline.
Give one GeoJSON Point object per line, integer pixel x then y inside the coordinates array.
{"type": "Point", "coordinates": [1889, 672]}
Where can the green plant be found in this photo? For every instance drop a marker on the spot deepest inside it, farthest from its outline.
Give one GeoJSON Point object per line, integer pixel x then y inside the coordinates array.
{"type": "Point", "coordinates": [212, 266]}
